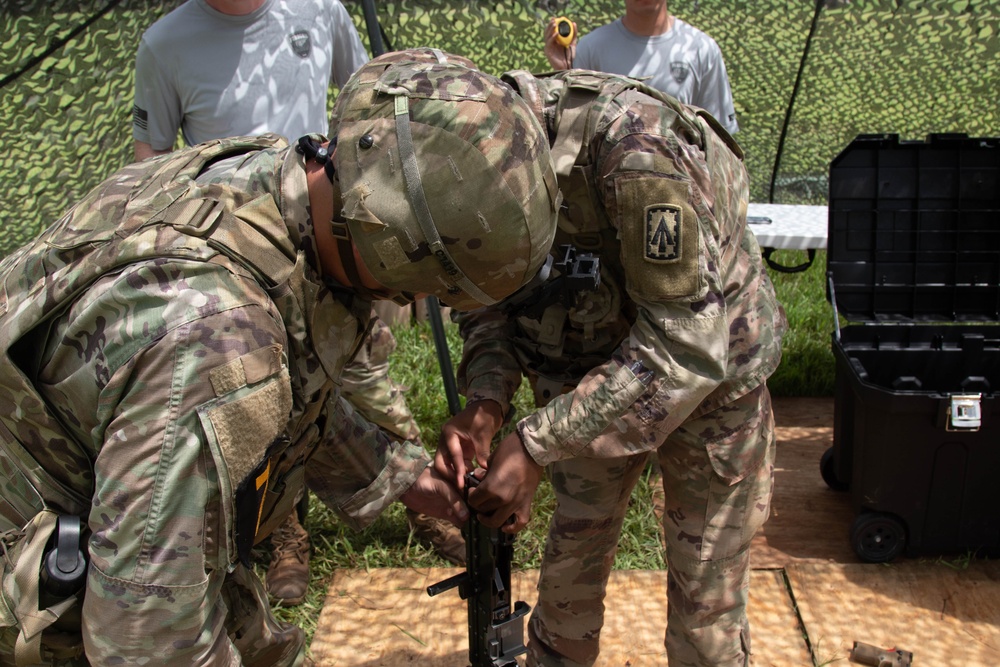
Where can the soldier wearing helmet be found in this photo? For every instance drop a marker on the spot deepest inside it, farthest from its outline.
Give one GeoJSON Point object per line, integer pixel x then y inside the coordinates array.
{"type": "Point", "coordinates": [173, 347]}
{"type": "Point", "coordinates": [669, 352]}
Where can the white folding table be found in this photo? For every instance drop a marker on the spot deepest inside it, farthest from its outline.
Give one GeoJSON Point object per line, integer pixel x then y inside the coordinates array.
{"type": "Point", "coordinates": [788, 227]}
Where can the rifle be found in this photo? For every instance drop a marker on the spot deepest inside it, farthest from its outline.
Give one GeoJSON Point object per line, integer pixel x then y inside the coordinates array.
{"type": "Point", "coordinates": [496, 633]}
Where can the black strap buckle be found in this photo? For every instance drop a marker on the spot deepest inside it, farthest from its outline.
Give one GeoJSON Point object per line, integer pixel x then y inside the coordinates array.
{"type": "Point", "coordinates": [64, 567]}
{"type": "Point", "coordinates": [313, 150]}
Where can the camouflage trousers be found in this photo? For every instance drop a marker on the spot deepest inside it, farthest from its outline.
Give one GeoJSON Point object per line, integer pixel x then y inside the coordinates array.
{"type": "Point", "coordinates": [717, 474]}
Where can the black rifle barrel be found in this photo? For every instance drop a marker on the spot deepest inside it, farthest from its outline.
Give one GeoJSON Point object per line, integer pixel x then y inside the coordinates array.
{"type": "Point", "coordinates": [371, 24]}
{"type": "Point", "coordinates": [443, 355]}
{"type": "Point", "coordinates": [496, 625]}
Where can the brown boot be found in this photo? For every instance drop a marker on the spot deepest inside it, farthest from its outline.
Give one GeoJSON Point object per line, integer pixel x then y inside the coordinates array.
{"type": "Point", "coordinates": [288, 576]}
{"type": "Point", "coordinates": [444, 536]}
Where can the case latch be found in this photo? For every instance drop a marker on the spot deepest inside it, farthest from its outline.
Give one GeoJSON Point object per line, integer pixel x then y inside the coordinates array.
{"type": "Point", "coordinates": [965, 413]}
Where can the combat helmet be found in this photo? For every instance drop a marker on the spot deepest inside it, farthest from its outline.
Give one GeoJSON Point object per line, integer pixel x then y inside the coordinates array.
{"type": "Point", "coordinates": [446, 181]}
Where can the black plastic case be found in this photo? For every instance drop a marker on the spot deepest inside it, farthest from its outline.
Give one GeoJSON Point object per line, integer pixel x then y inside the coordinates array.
{"type": "Point", "coordinates": [913, 254]}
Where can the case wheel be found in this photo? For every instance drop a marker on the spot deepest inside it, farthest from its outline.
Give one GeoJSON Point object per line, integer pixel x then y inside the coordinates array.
{"type": "Point", "coordinates": [828, 470]}
{"type": "Point", "coordinates": [877, 537]}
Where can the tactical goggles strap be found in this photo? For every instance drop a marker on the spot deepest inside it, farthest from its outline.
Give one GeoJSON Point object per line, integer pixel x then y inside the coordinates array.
{"type": "Point", "coordinates": [415, 189]}
{"type": "Point", "coordinates": [312, 150]}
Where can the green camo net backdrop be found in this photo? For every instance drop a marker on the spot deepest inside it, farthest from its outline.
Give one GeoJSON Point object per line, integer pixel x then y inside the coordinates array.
{"type": "Point", "coordinates": [807, 77]}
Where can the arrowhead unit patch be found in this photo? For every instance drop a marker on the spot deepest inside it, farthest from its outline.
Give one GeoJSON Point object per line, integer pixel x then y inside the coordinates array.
{"type": "Point", "coordinates": [663, 233]}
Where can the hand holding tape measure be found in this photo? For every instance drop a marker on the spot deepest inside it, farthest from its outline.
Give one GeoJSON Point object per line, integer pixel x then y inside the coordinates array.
{"type": "Point", "coordinates": [560, 42]}
{"type": "Point", "coordinates": [565, 31]}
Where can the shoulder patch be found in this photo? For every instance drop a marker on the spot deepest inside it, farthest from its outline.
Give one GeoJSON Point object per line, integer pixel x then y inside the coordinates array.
{"type": "Point", "coordinates": [663, 233]}
{"type": "Point", "coordinates": [660, 241]}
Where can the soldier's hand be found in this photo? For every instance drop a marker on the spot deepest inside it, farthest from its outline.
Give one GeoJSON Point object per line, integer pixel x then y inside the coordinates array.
{"type": "Point", "coordinates": [508, 487]}
{"type": "Point", "coordinates": [435, 495]}
{"type": "Point", "coordinates": [558, 56]}
{"type": "Point", "coordinates": [465, 440]}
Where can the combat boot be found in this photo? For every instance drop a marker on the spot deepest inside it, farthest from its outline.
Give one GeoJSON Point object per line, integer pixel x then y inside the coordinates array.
{"type": "Point", "coordinates": [288, 576]}
{"type": "Point", "coordinates": [444, 536]}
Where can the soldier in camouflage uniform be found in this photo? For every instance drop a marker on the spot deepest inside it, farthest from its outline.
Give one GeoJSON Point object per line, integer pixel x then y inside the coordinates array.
{"type": "Point", "coordinates": [174, 344]}
{"type": "Point", "coordinates": [670, 354]}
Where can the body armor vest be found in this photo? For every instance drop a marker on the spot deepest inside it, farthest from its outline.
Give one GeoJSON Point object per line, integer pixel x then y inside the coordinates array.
{"type": "Point", "coordinates": [161, 212]}
{"type": "Point", "coordinates": [564, 343]}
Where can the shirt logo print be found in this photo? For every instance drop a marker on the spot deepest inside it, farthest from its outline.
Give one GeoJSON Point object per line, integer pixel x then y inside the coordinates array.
{"type": "Point", "coordinates": [301, 43]}
{"type": "Point", "coordinates": [680, 71]}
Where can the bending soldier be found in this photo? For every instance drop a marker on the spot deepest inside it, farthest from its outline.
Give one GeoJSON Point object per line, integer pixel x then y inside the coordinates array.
{"type": "Point", "coordinates": [174, 345]}
{"type": "Point", "coordinates": [670, 354]}
{"type": "Point", "coordinates": [267, 74]}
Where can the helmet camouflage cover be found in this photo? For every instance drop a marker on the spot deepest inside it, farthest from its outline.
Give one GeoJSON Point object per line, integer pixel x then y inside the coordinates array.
{"type": "Point", "coordinates": [445, 177]}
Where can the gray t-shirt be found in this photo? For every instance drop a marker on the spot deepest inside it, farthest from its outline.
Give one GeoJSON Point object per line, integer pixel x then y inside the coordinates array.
{"type": "Point", "coordinates": [214, 75]}
{"type": "Point", "coordinates": [683, 62]}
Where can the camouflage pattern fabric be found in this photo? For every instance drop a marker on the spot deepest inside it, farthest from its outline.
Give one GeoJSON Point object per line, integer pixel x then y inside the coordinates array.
{"type": "Point", "coordinates": [368, 387]}
{"type": "Point", "coordinates": [671, 354]}
{"type": "Point", "coordinates": [483, 139]}
{"type": "Point", "coordinates": [182, 340]}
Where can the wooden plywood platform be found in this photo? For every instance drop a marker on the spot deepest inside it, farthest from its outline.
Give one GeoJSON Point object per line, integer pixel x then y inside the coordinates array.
{"type": "Point", "coordinates": [810, 597]}
{"type": "Point", "coordinates": [384, 618]}
{"type": "Point", "coordinates": [809, 522]}
{"type": "Point", "coordinates": [945, 616]}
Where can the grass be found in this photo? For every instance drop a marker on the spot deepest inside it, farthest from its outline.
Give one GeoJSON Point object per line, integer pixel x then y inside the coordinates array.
{"type": "Point", "coordinates": [807, 369]}
{"type": "Point", "coordinates": [807, 364]}
{"type": "Point", "coordinates": [77, 94]}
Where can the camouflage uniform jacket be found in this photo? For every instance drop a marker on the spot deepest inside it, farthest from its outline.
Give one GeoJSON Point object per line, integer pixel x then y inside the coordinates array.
{"type": "Point", "coordinates": [685, 320]}
{"type": "Point", "coordinates": [173, 363]}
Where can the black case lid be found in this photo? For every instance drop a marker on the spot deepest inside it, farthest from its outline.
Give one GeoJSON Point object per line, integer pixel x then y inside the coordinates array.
{"type": "Point", "coordinates": [914, 229]}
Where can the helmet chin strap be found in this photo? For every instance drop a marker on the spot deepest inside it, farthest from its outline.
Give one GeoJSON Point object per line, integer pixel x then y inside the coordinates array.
{"type": "Point", "coordinates": [421, 210]}
{"type": "Point", "coordinates": [349, 262]}
{"type": "Point", "coordinates": [312, 150]}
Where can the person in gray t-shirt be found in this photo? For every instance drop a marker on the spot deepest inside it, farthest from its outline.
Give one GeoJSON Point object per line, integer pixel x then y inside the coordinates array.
{"type": "Point", "coordinates": [221, 68]}
{"type": "Point", "coordinates": [651, 44]}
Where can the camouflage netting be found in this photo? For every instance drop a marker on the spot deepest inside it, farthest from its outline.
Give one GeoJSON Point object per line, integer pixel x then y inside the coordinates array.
{"type": "Point", "coordinates": [867, 66]}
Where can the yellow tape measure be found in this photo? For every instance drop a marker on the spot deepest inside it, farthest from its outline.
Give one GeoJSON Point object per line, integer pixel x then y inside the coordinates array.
{"type": "Point", "coordinates": [564, 32]}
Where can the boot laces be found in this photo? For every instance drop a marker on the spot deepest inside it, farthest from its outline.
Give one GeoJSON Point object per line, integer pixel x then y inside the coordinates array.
{"type": "Point", "coordinates": [290, 541]}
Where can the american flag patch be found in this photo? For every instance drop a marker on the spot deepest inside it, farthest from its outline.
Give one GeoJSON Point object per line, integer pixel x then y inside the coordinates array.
{"type": "Point", "coordinates": [140, 117]}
